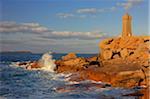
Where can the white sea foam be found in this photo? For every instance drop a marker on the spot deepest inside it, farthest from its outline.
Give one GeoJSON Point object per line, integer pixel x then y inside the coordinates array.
{"type": "Point", "coordinates": [47, 62]}
{"type": "Point", "coordinates": [61, 77]}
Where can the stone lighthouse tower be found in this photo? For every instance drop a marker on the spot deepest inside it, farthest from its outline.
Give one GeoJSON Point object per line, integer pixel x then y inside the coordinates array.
{"type": "Point", "coordinates": [126, 25]}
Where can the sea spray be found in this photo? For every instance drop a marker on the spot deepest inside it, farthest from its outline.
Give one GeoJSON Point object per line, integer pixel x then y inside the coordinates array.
{"type": "Point", "coordinates": [47, 63]}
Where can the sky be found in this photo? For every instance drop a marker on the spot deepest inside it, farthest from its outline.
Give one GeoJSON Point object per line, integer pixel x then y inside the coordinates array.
{"type": "Point", "coordinates": [64, 26]}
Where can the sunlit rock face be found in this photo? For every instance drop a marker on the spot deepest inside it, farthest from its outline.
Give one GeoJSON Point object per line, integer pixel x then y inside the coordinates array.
{"type": "Point", "coordinates": [125, 47]}
{"type": "Point", "coordinates": [69, 56]}
{"type": "Point", "coordinates": [71, 63]}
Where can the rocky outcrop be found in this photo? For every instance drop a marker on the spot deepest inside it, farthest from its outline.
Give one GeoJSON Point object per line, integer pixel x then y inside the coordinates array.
{"type": "Point", "coordinates": [127, 50]}
{"type": "Point", "coordinates": [69, 56]}
{"type": "Point", "coordinates": [74, 64]}
{"type": "Point", "coordinates": [71, 63]}
{"type": "Point", "coordinates": [123, 77]}
{"type": "Point", "coordinates": [124, 47]}
{"type": "Point", "coordinates": [116, 72]}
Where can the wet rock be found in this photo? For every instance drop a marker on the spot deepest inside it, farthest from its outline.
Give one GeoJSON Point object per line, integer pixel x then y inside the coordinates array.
{"type": "Point", "coordinates": [142, 94]}
{"type": "Point", "coordinates": [33, 65]}
{"type": "Point", "coordinates": [84, 86]}
{"type": "Point", "coordinates": [145, 93]}
{"type": "Point", "coordinates": [22, 63]}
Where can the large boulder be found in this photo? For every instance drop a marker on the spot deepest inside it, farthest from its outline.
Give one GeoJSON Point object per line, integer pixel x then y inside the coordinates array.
{"type": "Point", "coordinates": [107, 54]}
{"type": "Point", "coordinates": [69, 56]}
{"type": "Point", "coordinates": [124, 53]}
{"type": "Point", "coordinates": [71, 65]}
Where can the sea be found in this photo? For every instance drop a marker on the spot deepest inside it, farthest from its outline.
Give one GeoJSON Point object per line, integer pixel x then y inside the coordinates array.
{"type": "Point", "coordinates": [19, 83]}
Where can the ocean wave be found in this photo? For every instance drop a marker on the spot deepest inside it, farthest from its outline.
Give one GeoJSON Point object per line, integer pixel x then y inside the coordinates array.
{"type": "Point", "coordinates": [45, 63]}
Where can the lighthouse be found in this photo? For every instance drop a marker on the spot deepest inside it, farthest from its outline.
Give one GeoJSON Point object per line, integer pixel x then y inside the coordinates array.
{"type": "Point", "coordinates": [126, 25]}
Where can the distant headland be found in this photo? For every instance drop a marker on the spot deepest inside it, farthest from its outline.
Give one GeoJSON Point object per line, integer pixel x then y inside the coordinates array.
{"type": "Point", "coordinates": [17, 52]}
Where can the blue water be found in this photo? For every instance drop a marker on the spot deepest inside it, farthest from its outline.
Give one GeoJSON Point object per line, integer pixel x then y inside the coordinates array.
{"type": "Point", "coordinates": [13, 57]}
{"type": "Point", "coordinates": [18, 83]}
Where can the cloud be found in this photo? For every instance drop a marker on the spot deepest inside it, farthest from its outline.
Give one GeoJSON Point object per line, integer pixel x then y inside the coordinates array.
{"type": "Point", "coordinates": [45, 33]}
{"type": "Point", "coordinates": [113, 8]}
{"type": "Point", "coordinates": [74, 35]}
{"type": "Point", "coordinates": [65, 15]}
{"type": "Point", "coordinates": [83, 12]}
{"type": "Point", "coordinates": [87, 10]}
{"type": "Point", "coordinates": [11, 41]}
{"type": "Point", "coordinates": [129, 3]}
{"type": "Point", "coordinates": [94, 10]}
{"type": "Point", "coordinates": [13, 27]}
